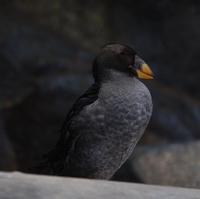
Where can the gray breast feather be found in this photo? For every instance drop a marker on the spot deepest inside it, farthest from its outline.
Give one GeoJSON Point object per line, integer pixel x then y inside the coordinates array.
{"type": "Point", "coordinates": [110, 128]}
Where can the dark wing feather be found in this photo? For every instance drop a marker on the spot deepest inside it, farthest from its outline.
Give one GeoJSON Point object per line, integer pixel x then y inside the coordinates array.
{"type": "Point", "coordinates": [56, 159]}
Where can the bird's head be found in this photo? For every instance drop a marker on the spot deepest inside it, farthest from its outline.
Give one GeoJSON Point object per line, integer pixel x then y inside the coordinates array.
{"type": "Point", "coordinates": [120, 58]}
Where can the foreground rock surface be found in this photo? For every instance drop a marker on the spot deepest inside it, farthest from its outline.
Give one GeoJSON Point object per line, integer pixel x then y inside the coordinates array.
{"type": "Point", "coordinates": [21, 186]}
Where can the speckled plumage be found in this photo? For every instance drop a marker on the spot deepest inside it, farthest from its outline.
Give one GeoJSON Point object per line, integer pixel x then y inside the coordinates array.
{"type": "Point", "coordinates": [98, 139]}
{"type": "Point", "coordinates": [111, 127]}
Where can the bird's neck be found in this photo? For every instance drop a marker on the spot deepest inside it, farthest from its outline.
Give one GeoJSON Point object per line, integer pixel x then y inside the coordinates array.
{"type": "Point", "coordinates": [120, 87]}
{"type": "Point", "coordinates": [116, 77]}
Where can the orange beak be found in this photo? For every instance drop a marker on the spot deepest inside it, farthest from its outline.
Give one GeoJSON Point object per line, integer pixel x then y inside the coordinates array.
{"type": "Point", "coordinates": [144, 72]}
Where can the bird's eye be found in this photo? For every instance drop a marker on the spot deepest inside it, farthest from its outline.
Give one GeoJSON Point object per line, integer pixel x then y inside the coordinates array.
{"type": "Point", "coordinates": [130, 58]}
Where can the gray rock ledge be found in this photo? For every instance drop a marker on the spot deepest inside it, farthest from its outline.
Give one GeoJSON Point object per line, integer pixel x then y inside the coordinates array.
{"type": "Point", "coordinates": [22, 186]}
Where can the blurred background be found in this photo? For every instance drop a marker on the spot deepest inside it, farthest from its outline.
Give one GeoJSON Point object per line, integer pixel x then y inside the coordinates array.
{"type": "Point", "coordinates": [46, 51]}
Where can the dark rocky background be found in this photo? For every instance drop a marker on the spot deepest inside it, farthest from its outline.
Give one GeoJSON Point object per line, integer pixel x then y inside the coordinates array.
{"type": "Point", "coordinates": [46, 50]}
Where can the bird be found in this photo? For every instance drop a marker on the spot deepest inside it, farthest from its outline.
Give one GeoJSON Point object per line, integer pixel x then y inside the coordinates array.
{"type": "Point", "coordinates": [104, 125]}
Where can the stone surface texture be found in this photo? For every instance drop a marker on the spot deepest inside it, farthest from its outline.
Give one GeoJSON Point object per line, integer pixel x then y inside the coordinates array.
{"type": "Point", "coordinates": [22, 186]}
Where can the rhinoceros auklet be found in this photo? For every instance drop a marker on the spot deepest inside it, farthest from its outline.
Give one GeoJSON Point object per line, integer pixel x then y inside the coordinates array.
{"type": "Point", "coordinates": [105, 123]}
